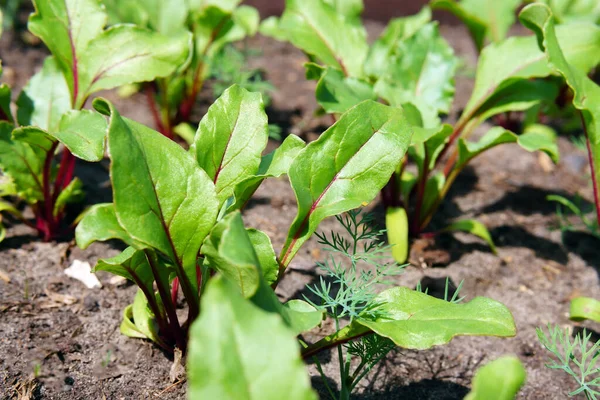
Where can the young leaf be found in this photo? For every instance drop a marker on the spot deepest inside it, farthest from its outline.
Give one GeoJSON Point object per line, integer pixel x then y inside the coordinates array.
{"type": "Point", "coordinates": [231, 357]}
{"type": "Point", "coordinates": [72, 193]}
{"type": "Point", "coordinates": [165, 16]}
{"type": "Point", "coordinates": [499, 380]}
{"type": "Point", "coordinates": [345, 167]}
{"type": "Point", "coordinates": [414, 320]}
{"type": "Point", "coordinates": [385, 47]}
{"type": "Point", "coordinates": [272, 165]}
{"type": "Point", "coordinates": [45, 98]}
{"type": "Point", "coordinates": [485, 19]}
{"type": "Point", "coordinates": [516, 58]}
{"type": "Point", "coordinates": [131, 264]}
{"type": "Point", "coordinates": [144, 321]}
{"type": "Point", "coordinates": [538, 18]}
{"type": "Point", "coordinates": [423, 69]}
{"type": "Point", "coordinates": [230, 139]}
{"type": "Point", "coordinates": [473, 227]}
{"type": "Point", "coordinates": [143, 56]}
{"type": "Point", "coordinates": [396, 226]}
{"type": "Point", "coordinates": [99, 223]}
{"type": "Point", "coordinates": [319, 30]}
{"type": "Point", "coordinates": [83, 133]}
{"type": "Point", "coordinates": [229, 251]}
{"type": "Point", "coordinates": [583, 308]}
{"type": "Point", "coordinates": [265, 254]}
{"type": "Point", "coordinates": [161, 197]}
{"type": "Point", "coordinates": [128, 327]}
{"type": "Point", "coordinates": [337, 93]}
{"type": "Point", "coordinates": [533, 141]}
{"type": "Point", "coordinates": [67, 27]}
{"type": "Point", "coordinates": [23, 163]}
{"type": "Point", "coordinates": [574, 10]}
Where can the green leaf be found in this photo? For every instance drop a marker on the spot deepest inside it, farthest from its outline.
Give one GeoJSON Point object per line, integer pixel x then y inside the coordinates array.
{"type": "Point", "coordinates": [128, 327]}
{"type": "Point", "coordinates": [396, 226]}
{"type": "Point", "coordinates": [272, 165]}
{"type": "Point", "coordinates": [386, 46]}
{"type": "Point", "coordinates": [45, 98]}
{"type": "Point", "coordinates": [131, 264]}
{"type": "Point", "coordinates": [99, 223]}
{"type": "Point", "coordinates": [473, 227]}
{"type": "Point", "coordinates": [67, 27]}
{"type": "Point", "coordinates": [519, 58]}
{"type": "Point", "coordinates": [532, 141]}
{"type": "Point", "coordinates": [574, 10]}
{"type": "Point", "coordinates": [5, 98]}
{"type": "Point", "coordinates": [39, 140]}
{"type": "Point", "coordinates": [414, 320]}
{"type": "Point", "coordinates": [346, 167]}
{"type": "Point", "coordinates": [265, 254]}
{"type": "Point", "coordinates": [231, 138]}
{"type": "Point", "coordinates": [519, 95]}
{"type": "Point", "coordinates": [538, 18]}
{"type": "Point", "coordinates": [71, 194]}
{"type": "Point", "coordinates": [500, 379]}
{"type": "Point", "coordinates": [23, 163]}
{"type": "Point", "coordinates": [484, 18]}
{"type": "Point", "coordinates": [165, 16]}
{"type": "Point", "coordinates": [162, 198]}
{"type": "Point", "coordinates": [83, 133]}
{"type": "Point", "coordinates": [337, 93]}
{"type": "Point", "coordinates": [423, 69]}
{"type": "Point", "coordinates": [348, 8]}
{"type": "Point", "coordinates": [433, 192]}
{"type": "Point", "coordinates": [229, 251]}
{"type": "Point", "coordinates": [143, 320]}
{"type": "Point", "coordinates": [583, 308]}
{"type": "Point", "coordinates": [142, 56]}
{"type": "Point", "coordinates": [231, 357]}
{"type": "Point", "coordinates": [319, 30]}
{"type": "Point", "coordinates": [298, 315]}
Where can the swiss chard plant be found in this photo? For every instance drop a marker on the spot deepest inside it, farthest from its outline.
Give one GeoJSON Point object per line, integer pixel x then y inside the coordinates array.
{"type": "Point", "coordinates": [180, 214]}
{"type": "Point", "coordinates": [212, 25]}
{"type": "Point", "coordinates": [411, 67]}
{"type": "Point", "coordinates": [50, 118]}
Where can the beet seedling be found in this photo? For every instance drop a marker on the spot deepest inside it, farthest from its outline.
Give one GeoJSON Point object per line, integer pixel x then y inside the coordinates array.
{"type": "Point", "coordinates": [50, 114]}
{"type": "Point", "coordinates": [211, 24]}
{"type": "Point", "coordinates": [411, 67]}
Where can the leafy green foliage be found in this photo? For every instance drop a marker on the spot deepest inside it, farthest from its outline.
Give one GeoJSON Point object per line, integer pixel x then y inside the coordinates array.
{"type": "Point", "coordinates": [355, 266]}
{"type": "Point", "coordinates": [501, 379]}
{"type": "Point", "coordinates": [486, 20]}
{"type": "Point", "coordinates": [208, 28]}
{"type": "Point", "coordinates": [539, 18]}
{"type": "Point", "coordinates": [576, 357]}
{"type": "Point", "coordinates": [231, 357]}
{"type": "Point", "coordinates": [589, 225]}
{"type": "Point", "coordinates": [411, 67]}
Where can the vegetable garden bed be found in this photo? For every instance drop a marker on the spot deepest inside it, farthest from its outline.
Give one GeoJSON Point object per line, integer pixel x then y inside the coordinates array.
{"type": "Point", "coordinates": [60, 339]}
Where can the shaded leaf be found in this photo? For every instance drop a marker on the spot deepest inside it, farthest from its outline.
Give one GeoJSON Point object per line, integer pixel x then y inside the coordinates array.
{"type": "Point", "coordinates": [45, 98]}
{"type": "Point", "coordinates": [337, 93]}
{"type": "Point", "coordinates": [272, 165]}
{"type": "Point", "coordinates": [72, 193]}
{"type": "Point", "coordinates": [229, 251]}
{"type": "Point", "coordinates": [231, 357]}
{"type": "Point", "coordinates": [265, 254]}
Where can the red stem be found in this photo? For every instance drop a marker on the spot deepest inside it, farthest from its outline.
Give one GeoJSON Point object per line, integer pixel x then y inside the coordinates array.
{"type": "Point", "coordinates": [416, 225]}
{"type": "Point", "coordinates": [174, 290]}
{"type": "Point", "coordinates": [47, 218]}
{"type": "Point", "coordinates": [592, 167]}
{"type": "Point", "coordinates": [155, 114]}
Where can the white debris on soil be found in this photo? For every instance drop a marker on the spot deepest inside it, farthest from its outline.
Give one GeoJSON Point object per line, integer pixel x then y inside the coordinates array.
{"type": "Point", "coordinates": [82, 271]}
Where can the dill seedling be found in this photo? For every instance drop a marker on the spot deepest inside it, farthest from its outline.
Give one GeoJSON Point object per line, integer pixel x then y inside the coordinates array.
{"type": "Point", "coordinates": [577, 357]}
{"type": "Point", "coordinates": [349, 288]}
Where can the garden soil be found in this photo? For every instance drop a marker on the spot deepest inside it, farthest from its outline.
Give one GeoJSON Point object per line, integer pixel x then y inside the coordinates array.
{"type": "Point", "coordinates": [60, 340]}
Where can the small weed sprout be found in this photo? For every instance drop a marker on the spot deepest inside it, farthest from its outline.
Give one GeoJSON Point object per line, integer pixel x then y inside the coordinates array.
{"type": "Point", "coordinates": [577, 357]}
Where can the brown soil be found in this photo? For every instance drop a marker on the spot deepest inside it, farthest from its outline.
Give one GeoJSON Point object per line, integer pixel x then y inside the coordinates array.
{"type": "Point", "coordinates": [59, 340]}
